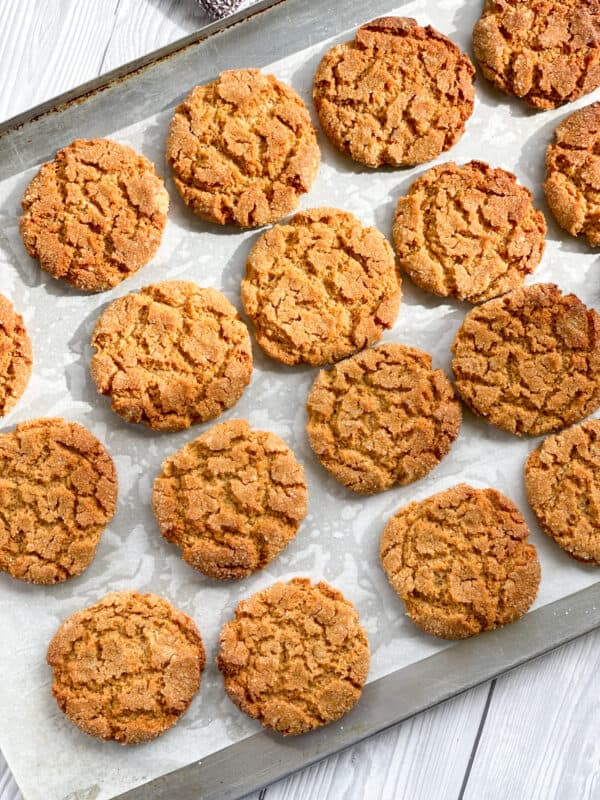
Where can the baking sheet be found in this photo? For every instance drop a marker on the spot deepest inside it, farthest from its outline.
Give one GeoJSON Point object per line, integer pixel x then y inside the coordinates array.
{"type": "Point", "coordinates": [339, 539]}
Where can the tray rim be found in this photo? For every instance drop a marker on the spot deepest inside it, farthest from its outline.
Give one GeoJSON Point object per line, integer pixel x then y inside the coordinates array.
{"type": "Point", "coordinates": [231, 773]}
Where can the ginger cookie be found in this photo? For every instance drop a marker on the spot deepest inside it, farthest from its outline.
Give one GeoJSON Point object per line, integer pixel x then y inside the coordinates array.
{"type": "Point", "coordinates": [15, 356]}
{"type": "Point", "coordinates": [58, 491]}
{"type": "Point", "coordinates": [529, 362]}
{"type": "Point", "coordinates": [95, 214]}
{"type": "Point", "coordinates": [398, 94]}
{"type": "Point", "coordinates": [320, 287]}
{"type": "Point", "coordinates": [171, 355]}
{"type": "Point", "coordinates": [381, 418]}
{"type": "Point", "coordinates": [243, 149]}
{"type": "Point", "coordinates": [295, 656]}
{"type": "Point", "coordinates": [546, 52]}
{"type": "Point", "coordinates": [572, 182]}
{"type": "Point", "coordinates": [127, 667]}
{"type": "Point", "coordinates": [562, 478]}
{"type": "Point", "coordinates": [468, 232]}
{"type": "Point", "coordinates": [461, 562]}
{"type": "Point", "coordinates": [232, 499]}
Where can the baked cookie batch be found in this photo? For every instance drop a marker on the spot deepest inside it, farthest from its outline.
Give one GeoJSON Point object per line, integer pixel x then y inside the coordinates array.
{"type": "Point", "coordinates": [320, 289]}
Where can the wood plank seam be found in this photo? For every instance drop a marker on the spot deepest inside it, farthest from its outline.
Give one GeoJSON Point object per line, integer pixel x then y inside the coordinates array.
{"type": "Point", "coordinates": [477, 739]}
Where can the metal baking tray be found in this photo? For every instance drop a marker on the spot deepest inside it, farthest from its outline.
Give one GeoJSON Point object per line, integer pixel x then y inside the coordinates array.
{"type": "Point", "coordinates": [269, 30]}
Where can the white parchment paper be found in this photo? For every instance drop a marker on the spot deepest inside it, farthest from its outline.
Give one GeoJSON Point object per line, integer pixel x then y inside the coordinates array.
{"type": "Point", "coordinates": [338, 542]}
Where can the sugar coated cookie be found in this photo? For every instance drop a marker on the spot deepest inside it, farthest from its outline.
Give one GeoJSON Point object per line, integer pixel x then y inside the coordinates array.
{"type": "Point", "coordinates": [295, 656]}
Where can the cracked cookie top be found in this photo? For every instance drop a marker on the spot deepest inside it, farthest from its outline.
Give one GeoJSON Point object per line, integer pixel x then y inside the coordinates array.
{"type": "Point", "coordinates": [545, 51]}
{"type": "Point", "coordinates": [127, 667]}
{"type": "Point", "coordinates": [398, 94]}
{"type": "Point", "coordinates": [572, 182]}
{"type": "Point", "coordinates": [16, 357]}
{"type": "Point", "coordinates": [171, 355]}
{"type": "Point", "coordinates": [232, 499]}
{"type": "Point", "coordinates": [562, 478]}
{"type": "Point", "coordinates": [243, 149]}
{"type": "Point", "coordinates": [468, 232]}
{"type": "Point", "coordinates": [461, 561]}
{"type": "Point", "coordinates": [95, 214]}
{"type": "Point", "coordinates": [58, 491]}
{"type": "Point", "coordinates": [295, 656]}
{"type": "Point", "coordinates": [529, 362]}
{"type": "Point", "coordinates": [381, 418]}
{"type": "Point", "coordinates": [320, 287]}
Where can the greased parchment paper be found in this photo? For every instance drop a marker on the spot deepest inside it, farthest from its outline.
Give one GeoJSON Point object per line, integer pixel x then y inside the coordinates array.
{"type": "Point", "coordinates": [339, 539]}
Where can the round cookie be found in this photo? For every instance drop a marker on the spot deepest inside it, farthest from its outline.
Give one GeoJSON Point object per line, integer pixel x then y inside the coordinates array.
{"type": "Point", "coordinates": [243, 149]}
{"type": "Point", "coordinates": [545, 51]}
{"type": "Point", "coordinates": [171, 355]}
{"type": "Point", "coordinates": [295, 656]}
{"type": "Point", "coordinates": [232, 499]}
{"type": "Point", "coordinates": [461, 561]}
{"type": "Point", "coordinates": [381, 418]}
{"type": "Point", "coordinates": [562, 478]}
{"type": "Point", "coordinates": [127, 667]}
{"type": "Point", "coordinates": [320, 287]}
{"type": "Point", "coordinates": [15, 356]}
{"type": "Point", "coordinates": [529, 362]}
{"type": "Point", "coordinates": [95, 214]}
{"type": "Point", "coordinates": [398, 94]}
{"type": "Point", "coordinates": [468, 232]}
{"type": "Point", "coordinates": [58, 491]}
{"type": "Point", "coordinates": [572, 182]}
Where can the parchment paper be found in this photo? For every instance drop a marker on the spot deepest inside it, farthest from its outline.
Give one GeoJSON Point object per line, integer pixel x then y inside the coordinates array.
{"type": "Point", "coordinates": [339, 540]}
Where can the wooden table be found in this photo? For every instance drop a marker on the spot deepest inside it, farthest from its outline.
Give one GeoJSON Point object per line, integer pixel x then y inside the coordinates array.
{"type": "Point", "coordinates": [532, 734]}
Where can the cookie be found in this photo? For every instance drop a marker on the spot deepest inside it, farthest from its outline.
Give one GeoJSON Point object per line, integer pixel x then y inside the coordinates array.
{"type": "Point", "coordinates": [529, 362]}
{"type": "Point", "coordinates": [398, 94]}
{"type": "Point", "coordinates": [320, 287]}
{"type": "Point", "coordinates": [15, 356]}
{"type": "Point", "coordinates": [232, 499]}
{"type": "Point", "coordinates": [95, 214]}
{"type": "Point", "coordinates": [58, 491]}
{"type": "Point", "coordinates": [545, 51]}
{"type": "Point", "coordinates": [295, 656]}
{"type": "Point", "coordinates": [127, 667]}
{"type": "Point", "coordinates": [243, 149]}
{"type": "Point", "coordinates": [171, 355]}
{"type": "Point", "coordinates": [468, 232]}
{"type": "Point", "coordinates": [562, 478]}
{"type": "Point", "coordinates": [572, 182]}
{"type": "Point", "coordinates": [381, 418]}
{"type": "Point", "coordinates": [461, 562]}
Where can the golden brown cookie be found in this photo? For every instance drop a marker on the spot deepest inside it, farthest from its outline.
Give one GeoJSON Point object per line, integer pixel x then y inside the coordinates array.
{"type": "Point", "coordinates": [529, 362]}
{"type": "Point", "coordinates": [15, 356]}
{"type": "Point", "coordinates": [295, 657]}
{"type": "Point", "coordinates": [243, 149]}
{"type": "Point", "coordinates": [95, 214]}
{"type": "Point", "coordinates": [461, 561]}
{"type": "Point", "coordinates": [468, 232]}
{"type": "Point", "coordinates": [232, 499]}
{"type": "Point", "coordinates": [58, 491]}
{"type": "Point", "coordinates": [562, 478]}
{"type": "Point", "coordinates": [572, 182]}
{"type": "Point", "coordinates": [544, 51]}
{"type": "Point", "coordinates": [398, 94]}
{"type": "Point", "coordinates": [127, 667]}
{"type": "Point", "coordinates": [320, 287]}
{"type": "Point", "coordinates": [171, 355]}
{"type": "Point", "coordinates": [381, 418]}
